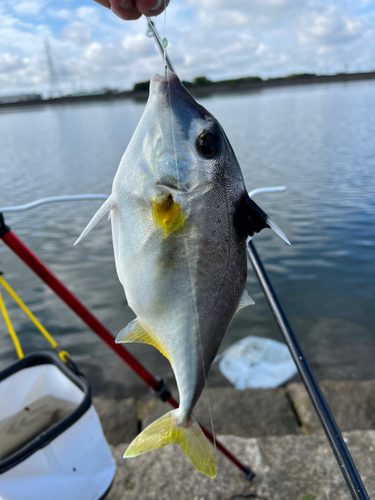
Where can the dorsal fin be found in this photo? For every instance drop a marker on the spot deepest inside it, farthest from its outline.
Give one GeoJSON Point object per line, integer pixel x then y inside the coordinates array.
{"type": "Point", "coordinates": [135, 333]}
{"type": "Point", "coordinates": [106, 207]}
{"type": "Point", "coordinates": [245, 301]}
{"type": "Point", "coordinates": [256, 220]}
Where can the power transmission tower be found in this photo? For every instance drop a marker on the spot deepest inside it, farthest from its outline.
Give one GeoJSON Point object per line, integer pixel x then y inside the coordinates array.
{"type": "Point", "coordinates": [55, 89]}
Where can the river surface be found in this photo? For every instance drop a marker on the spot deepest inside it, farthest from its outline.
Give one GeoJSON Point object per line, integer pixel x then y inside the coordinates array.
{"type": "Point", "coordinates": [318, 141]}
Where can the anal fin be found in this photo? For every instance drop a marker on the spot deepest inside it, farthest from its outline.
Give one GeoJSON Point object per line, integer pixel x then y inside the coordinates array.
{"type": "Point", "coordinates": [136, 333]}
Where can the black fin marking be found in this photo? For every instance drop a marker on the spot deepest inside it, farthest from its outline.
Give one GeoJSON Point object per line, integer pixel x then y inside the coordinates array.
{"type": "Point", "coordinates": [255, 219]}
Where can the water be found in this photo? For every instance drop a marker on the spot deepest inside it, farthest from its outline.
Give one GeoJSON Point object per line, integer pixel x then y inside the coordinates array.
{"type": "Point", "coordinates": [316, 140]}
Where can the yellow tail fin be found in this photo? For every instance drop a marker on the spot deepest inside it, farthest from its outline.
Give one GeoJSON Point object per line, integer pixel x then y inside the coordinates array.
{"type": "Point", "coordinates": [165, 431]}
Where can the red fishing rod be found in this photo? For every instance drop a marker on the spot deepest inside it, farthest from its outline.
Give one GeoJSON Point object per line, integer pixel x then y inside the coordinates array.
{"type": "Point", "coordinates": [161, 391]}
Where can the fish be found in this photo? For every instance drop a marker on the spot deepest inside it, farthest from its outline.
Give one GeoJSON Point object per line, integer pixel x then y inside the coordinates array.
{"type": "Point", "coordinates": [181, 218]}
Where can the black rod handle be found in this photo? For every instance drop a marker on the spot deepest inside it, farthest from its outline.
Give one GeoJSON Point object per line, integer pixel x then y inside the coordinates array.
{"type": "Point", "coordinates": [336, 441]}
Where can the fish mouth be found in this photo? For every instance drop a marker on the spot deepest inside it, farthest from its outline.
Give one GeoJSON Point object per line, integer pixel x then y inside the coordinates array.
{"type": "Point", "coordinates": [171, 78]}
{"type": "Point", "coordinates": [161, 85]}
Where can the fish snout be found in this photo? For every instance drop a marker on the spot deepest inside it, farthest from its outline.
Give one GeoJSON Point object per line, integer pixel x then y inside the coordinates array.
{"type": "Point", "coordinates": [160, 83]}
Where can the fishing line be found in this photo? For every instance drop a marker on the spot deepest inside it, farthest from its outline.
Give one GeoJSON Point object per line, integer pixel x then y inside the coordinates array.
{"type": "Point", "coordinates": [211, 419]}
{"type": "Point", "coordinates": [164, 44]}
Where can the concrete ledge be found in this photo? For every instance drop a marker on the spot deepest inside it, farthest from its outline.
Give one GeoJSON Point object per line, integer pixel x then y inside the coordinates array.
{"type": "Point", "coordinates": [118, 418]}
{"type": "Point", "coordinates": [249, 413]}
{"type": "Point", "coordinates": [352, 404]}
{"type": "Point", "coordinates": [287, 468]}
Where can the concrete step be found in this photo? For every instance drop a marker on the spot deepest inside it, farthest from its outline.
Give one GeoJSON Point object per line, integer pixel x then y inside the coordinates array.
{"type": "Point", "coordinates": [352, 404]}
{"type": "Point", "coordinates": [248, 413]}
{"type": "Point", "coordinates": [287, 468]}
{"type": "Point", "coordinates": [118, 418]}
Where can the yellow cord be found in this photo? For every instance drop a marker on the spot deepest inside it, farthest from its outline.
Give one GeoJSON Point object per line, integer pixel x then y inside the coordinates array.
{"type": "Point", "coordinates": [40, 327]}
{"type": "Point", "coordinates": [13, 334]}
{"type": "Point", "coordinates": [64, 355]}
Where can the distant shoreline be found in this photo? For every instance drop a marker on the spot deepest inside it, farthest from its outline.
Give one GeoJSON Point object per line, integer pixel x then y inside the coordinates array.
{"type": "Point", "coordinates": [201, 90]}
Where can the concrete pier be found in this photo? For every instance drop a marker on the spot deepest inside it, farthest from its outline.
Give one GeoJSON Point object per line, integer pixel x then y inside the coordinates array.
{"type": "Point", "coordinates": [275, 431]}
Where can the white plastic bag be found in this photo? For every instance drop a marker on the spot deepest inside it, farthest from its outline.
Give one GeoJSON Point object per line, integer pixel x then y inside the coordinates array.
{"type": "Point", "coordinates": [254, 362]}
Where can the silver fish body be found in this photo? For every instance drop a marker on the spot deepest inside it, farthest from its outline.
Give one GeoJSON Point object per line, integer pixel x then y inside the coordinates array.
{"type": "Point", "coordinates": [181, 217]}
{"type": "Point", "coordinates": [183, 285]}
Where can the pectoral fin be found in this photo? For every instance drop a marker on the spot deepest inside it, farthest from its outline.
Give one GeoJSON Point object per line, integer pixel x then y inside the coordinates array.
{"type": "Point", "coordinates": [106, 207]}
{"type": "Point", "coordinates": [246, 300]}
{"type": "Point", "coordinates": [255, 219]}
{"type": "Point", "coordinates": [135, 333]}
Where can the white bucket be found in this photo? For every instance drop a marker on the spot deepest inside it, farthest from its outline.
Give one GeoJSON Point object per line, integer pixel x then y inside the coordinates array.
{"type": "Point", "coordinates": [51, 442]}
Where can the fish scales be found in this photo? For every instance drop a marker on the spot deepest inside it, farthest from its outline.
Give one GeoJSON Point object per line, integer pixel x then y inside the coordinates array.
{"type": "Point", "coordinates": [180, 217]}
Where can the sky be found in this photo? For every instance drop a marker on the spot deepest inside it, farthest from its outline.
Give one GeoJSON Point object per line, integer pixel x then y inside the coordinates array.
{"type": "Point", "coordinates": [91, 48]}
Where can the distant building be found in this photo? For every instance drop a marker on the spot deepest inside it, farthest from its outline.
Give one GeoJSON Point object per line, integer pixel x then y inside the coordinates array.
{"type": "Point", "coordinates": [6, 99]}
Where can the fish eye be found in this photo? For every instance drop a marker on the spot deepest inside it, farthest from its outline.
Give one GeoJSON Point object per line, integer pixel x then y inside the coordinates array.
{"type": "Point", "coordinates": [207, 144]}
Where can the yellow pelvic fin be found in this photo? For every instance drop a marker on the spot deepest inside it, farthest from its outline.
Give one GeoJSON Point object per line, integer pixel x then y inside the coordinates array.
{"type": "Point", "coordinates": [165, 431]}
{"type": "Point", "coordinates": [167, 213]}
{"type": "Point", "coordinates": [135, 333]}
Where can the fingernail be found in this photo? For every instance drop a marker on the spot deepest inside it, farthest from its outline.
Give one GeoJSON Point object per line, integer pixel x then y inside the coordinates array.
{"type": "Point", "coordinates": [159, 5]}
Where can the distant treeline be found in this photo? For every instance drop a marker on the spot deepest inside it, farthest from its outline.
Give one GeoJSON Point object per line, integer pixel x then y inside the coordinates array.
{"type": "Point", "coordinates": [202, 81]}
{"type": "Point", "coordinates": [200, 86]}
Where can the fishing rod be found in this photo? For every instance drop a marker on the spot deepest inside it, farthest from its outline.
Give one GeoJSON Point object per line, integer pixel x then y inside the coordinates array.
{"type": "Point", "coordinates": [334, 436]}
{"type": "Point", "coordinates": [156, 385]}
{"type": "Point", "coordinates": [335, 439]}
{"type": "Point", "coordinates": [321, 407]}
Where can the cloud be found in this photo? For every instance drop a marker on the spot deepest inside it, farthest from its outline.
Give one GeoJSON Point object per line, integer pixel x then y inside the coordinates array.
{"type": "Point", "coordinates": [330, 27]}
{"type": "Point", "coordinates": [216, 38]}
{"type": "Point", "coordinates": [78, 33]}
{"type": "Point", "coordinates": [87, 14]}
{"type": "Point", "coordinates": [60, 14]}
{"type": "Point", "coordinates": [30, 7]}
{"type": "Point", "coordinates": [137, 46]}
{"type": "Point", "coordinates": [10, 63]}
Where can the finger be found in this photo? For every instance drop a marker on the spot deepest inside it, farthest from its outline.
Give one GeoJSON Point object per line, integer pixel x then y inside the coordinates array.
{"type": "Point", "coordinates": [151, 8]}
{"type": "Point", "coordinates": [105, 3]}
{"type": "Point", "coordinates": [125, 9]}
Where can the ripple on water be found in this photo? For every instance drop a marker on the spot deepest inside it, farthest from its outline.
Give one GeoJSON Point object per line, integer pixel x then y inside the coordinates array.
{"type": "Point", "coordinates": [316, 140]}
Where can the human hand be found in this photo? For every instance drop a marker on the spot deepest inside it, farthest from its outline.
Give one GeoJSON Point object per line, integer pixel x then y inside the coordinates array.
{"type": "Point", "coordinates": [130, 10]}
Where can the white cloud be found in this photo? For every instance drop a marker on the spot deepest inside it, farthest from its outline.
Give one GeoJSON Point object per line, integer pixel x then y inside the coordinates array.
{"type": "Point", "coordinates": [211, 37]}
{"type": "Point", "coordinates": [78, 33]}
{"type": "Point", "coordinates": [30, 7]}
{"type": "Point", "coordinates": [137, 45]}
{"type": "Point", "coordinates": [329, 27]}
{"type": "Point", "coordinates": [10, 63]}
{"type": "Point", "coordinates": [88, 14]}
{"type": "Point", "coordinates": [60, 14]}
